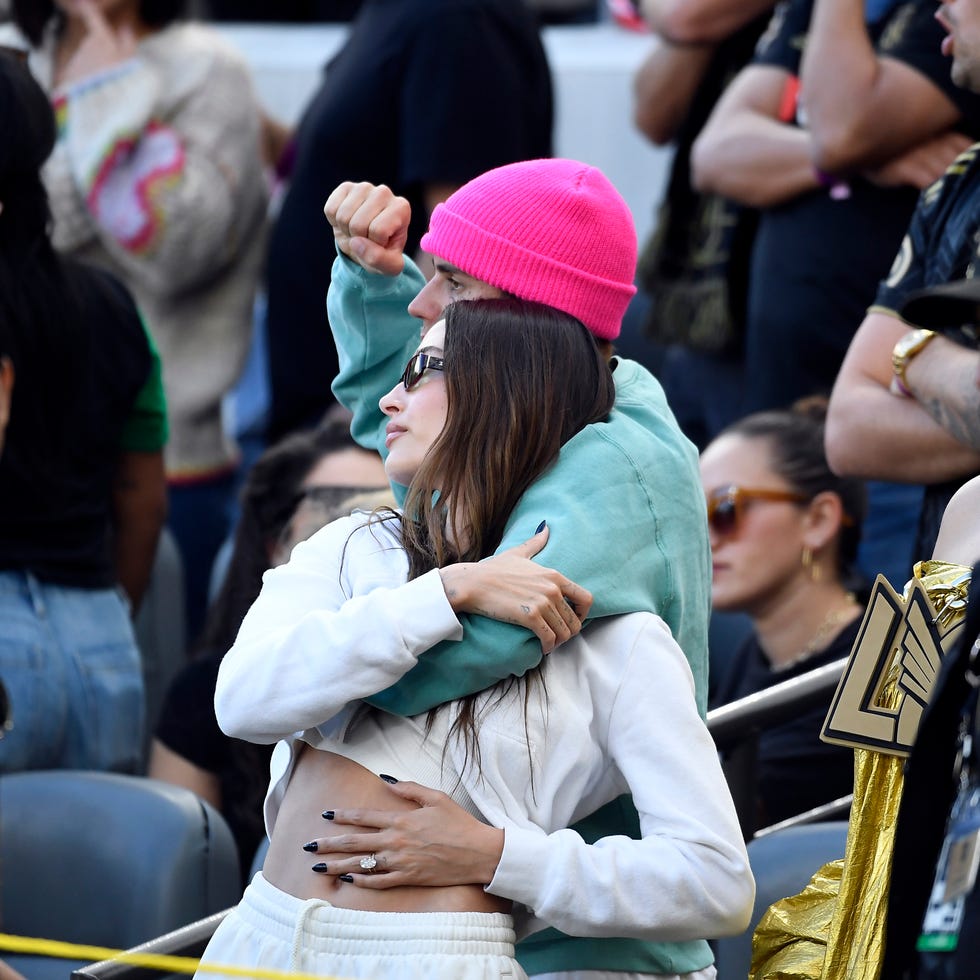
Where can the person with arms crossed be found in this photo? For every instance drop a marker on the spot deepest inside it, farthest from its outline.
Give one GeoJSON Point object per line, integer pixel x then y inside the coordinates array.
{"type": "Point", "coordinates": [906, 405]}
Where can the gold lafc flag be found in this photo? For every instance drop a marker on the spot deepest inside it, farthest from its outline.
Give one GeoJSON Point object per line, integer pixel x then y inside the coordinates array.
{"type": "Point", "coordinates": [893, 666]}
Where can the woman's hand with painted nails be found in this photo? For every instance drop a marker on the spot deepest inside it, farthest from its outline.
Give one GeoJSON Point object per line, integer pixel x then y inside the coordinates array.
{"type": "Point", "coordinates": [439, 843]}
{"type": "Point", "coordinates": [512, 588]}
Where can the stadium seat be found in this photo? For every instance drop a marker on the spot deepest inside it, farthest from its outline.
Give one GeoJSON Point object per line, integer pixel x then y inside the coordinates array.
{"type": "Point", "coordinates": [782, 862]}
{"type": "Point", "coordinates": [107, 859]}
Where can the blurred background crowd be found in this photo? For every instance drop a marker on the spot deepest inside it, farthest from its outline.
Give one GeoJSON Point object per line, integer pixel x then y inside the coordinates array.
{"type": "Point", "coordinates": [164, 231]}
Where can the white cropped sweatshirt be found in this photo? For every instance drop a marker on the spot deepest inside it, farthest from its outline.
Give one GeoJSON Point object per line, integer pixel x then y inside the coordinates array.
{"type": "Point", "coordinates": [615, 715]}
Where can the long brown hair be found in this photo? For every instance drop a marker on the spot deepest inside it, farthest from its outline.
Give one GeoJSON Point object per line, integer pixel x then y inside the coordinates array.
{"type": "Point", "coordinates": [521, 379]}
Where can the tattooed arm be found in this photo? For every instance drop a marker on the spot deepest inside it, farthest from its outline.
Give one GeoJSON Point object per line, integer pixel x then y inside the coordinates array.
{"type": "Point", "coordinates": [944, 379]}
{"type": "Point", "coordinates": [875, 433]}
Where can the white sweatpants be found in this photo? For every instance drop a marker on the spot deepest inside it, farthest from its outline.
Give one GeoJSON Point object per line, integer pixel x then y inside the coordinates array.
{"type": "Point", "coordinates": [273, 930]}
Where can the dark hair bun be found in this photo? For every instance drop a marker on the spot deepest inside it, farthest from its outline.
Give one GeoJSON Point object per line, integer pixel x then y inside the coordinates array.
{"type": "Point", "coordinates": [813, 407]}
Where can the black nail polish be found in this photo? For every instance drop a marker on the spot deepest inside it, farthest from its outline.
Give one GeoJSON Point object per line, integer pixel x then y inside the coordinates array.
{"type": "Point", "coordinates": [320, 868]}
{"type": "Point", "coordinates": [312, 846]}
{"type": "Point", "coordinates": [328, 814]}
{"type": "Point", "coordinates": [348, 878]}
{"type": "Point", "coordinates": [540, 527]}
{"type": "Point", "coordinates": [387, 778]}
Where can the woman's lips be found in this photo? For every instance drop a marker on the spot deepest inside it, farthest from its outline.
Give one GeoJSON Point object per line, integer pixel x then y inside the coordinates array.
{"type": "Point", "coordinates": [392, 432]}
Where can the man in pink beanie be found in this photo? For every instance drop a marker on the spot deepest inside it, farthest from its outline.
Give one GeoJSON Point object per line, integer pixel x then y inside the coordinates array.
{"type": "Point", "coordinates": [623, 503]}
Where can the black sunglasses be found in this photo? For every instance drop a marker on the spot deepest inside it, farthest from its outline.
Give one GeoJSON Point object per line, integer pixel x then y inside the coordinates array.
{"type": "Point", "coordinates": [418, 364]}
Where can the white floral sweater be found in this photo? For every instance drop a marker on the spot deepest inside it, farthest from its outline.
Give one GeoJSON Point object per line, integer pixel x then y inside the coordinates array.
{"type": "Point", "coordinates": [157, 176]}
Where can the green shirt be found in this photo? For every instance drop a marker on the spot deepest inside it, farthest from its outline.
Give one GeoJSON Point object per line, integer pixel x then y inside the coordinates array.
{"type": "Point", "coordinates": [146, 428]}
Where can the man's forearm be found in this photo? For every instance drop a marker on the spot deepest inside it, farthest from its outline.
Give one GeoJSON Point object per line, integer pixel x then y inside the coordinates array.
{"type": "Point", "coordinates": [839, 65]}
{"type": "Point", "coordinates": [665, 85]}
{"type": "Point", "coordinates": [753, 159]}
{"type": "Point", "coordinates": [880, 436]}
{"type": "Point", "coordinates": [943, 380]}
{"type": "Point", "coordinates": [373, 353]}
{"type": "Point", "coordinates": [862, 108]}
{"type": "Point", "coordinates": [700, 21]}
{"type": "Point", "coordinates": [876, 434]}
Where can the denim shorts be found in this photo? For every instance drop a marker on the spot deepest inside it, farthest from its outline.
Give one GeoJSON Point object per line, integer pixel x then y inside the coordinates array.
{"type": "Point", "coordinates": [71, 667]}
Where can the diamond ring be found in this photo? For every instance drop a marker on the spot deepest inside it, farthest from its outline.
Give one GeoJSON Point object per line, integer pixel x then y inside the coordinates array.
{"type": "Point", "coordinates": [369, 863]}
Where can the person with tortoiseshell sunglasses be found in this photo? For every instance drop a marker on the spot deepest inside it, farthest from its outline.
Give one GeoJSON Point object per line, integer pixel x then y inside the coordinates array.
{"type": "Point", "coordinates": [784, 532]}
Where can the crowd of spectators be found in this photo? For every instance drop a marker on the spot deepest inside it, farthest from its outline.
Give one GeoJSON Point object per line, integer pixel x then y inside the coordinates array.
{"type": "Point", "coordinates": [824, 173]}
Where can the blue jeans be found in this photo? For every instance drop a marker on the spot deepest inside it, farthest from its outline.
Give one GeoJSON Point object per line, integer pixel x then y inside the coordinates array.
{"type": "Point", "coordinates": [70, 663]}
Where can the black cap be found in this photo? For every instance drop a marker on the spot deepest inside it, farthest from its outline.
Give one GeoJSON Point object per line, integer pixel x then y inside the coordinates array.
{"type": "Point", "coordinates": [950, 305]}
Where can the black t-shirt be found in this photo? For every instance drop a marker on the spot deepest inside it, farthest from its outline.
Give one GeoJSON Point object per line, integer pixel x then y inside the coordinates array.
{"type": "Point", "coordinates": [818, 259]}
{"type": "Point", "coordinates": [940, 246]}
{"type": "Point", "coordinates": [55, 503]}
{"type": "Point", "coordinates": [423, 92]}
{"type": "Point", "coordinates": [796, 770]}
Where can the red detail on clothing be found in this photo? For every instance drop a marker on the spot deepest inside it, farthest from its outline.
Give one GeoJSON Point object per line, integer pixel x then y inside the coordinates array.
{"type": "Point", "coordinates": [790, 100]}
{"type": "Point", "coordinates": [625, 14]}
{"type": "Point", "coordinates": [128, 181]}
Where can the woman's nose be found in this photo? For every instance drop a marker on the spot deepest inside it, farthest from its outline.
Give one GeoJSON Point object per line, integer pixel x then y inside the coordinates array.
{"type": "Point", "coordinates": [390, 403]}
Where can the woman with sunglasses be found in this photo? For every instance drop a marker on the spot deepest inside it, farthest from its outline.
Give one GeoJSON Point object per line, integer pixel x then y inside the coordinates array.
{"type": "Point", "coordinates": [784, 532]}
{"type": "Point", "coordinates": [613, 712]}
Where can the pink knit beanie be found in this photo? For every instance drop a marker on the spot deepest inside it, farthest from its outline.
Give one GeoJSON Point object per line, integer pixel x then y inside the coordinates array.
{"type": "Point", "coordinates": [552, 231]}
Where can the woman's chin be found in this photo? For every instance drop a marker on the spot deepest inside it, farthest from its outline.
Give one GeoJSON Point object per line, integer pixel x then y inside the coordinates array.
{"type": "Point", "coordinates": [398, 474]}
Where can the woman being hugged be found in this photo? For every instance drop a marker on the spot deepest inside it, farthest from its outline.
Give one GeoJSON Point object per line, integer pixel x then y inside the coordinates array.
{"type": "Point", "coordinates": [483, 408]}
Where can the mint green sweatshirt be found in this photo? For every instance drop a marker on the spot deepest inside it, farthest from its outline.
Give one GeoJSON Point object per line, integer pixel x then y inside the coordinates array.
{"type": "Point", "coordinates": [626, 514]}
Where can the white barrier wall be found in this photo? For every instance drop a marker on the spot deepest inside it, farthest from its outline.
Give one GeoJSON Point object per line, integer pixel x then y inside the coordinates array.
{"type": "Point", "coordinates": [592, 68]}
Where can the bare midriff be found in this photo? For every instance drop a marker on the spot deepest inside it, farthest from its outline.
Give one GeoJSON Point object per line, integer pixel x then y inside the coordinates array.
{"type": "Point", "coordinates": [327, 781]}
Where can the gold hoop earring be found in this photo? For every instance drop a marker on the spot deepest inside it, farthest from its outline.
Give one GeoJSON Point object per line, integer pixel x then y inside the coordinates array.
{"type": "Point", "coordinates": [810, 565]}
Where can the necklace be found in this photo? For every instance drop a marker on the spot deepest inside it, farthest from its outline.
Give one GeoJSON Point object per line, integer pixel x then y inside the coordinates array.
{"type": "Point", "coordinates": [828, 629]}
